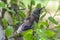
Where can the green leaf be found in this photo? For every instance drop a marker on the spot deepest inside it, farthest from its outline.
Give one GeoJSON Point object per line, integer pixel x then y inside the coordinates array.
{"type": "Point", "coordinates": [50, 33]}
{"type": "Point", "coordinates": [22, 3]}
{"type": "Point", "coordinates": [4, 22]}
{"type": "Point", "coordinates": [35, 25]}
{"type": "Point", "coordinates": [29, 6]}
{"type": "Point", "coordinates": [38, 5]}
{"type": "Point", "coordinates": [43, 38]}
{"type": "Point", "coordinates": [28, 35]}
{"type": "Point", "coordinates": [46, 23]}
{"type": "Point", "coordinates": [14, 1]}
{"type": "Point", "coordinates": [9, 31]}
{"type": "Point", "coordinates": [28, 32]}
{"type": "Point", "coordinates": [33, 2]}
{"type": "Point", "coordinates": [59, 6]}
{"type": "Point", "coordinates": [36, 38]}
{"type": "Point", "coordinates": [58, 28]}
{"type": "Point", "coordinates": [41, 24]}
{"type": "Point", "coordinates": [52, 20]}
{"type": "Point", "coordinates": [43, 15]}
{"type": "Point", "coordinates": [2, 4]}
{"type": "Point", "coordinates": [22, 14]}
{"type": "Point", "coordinates": [40, 33]}
{"type": "Point", "coordinates": [12, 11]}
{"type": "Point", "coordinates": [15, 20]}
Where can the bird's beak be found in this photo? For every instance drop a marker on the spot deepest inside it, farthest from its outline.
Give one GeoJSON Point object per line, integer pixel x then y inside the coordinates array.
{"type": "Point", "coordinates": [42, 9]}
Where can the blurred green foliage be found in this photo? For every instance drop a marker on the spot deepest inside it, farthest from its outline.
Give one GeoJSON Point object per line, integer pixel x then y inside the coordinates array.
{"type": "Point", "coordinates": [41, 28]}
{"type": "Point", "coordinates": [2, 5]}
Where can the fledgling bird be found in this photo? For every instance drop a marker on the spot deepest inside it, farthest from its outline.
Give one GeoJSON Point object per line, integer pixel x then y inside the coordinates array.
{"type": "Point", "coordinates": [30, 21]}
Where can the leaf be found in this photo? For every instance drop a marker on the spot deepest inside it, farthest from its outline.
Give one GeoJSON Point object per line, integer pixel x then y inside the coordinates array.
{"type": "Point", "coordinates": [33, 2]}
{"type": "Point", "coordinates": [21, 14]}
{"type": "Point", "coordinates": [29, 34]}
{"type": "Point", "coordinates": [46, 23]}
{"type": "Point", "coordinates": [52, 20]}
{"type": "Point", "coordinates": [22, 3]}
{"type": "Point", "coordinates": [4, 22]}
{"type": "Point", "coordinates": [38, 5]}
{"type": "Point", "coordinates": [41, 24]}
{"type": "Point", "coordinates": [59, 6]}
{"type": "Point", "coordinates": [50, 33]}
{"type": "Point", "coordinates": [36, 38]}
{"type": "Point", "coordinates": [29, 6]}
{"type": "Point", "coordinates": [12, 11]}
{"type": "Point", "coordinates": [2, 4]}
{"type": "Point", "coordinates": [58, 28]}
{"type": "Point", "coordinates": [14, 1]}
{"type": "Point", "coordinates": [35, 25]}
{"type": "Point", "coordinates": [43, 38]}
{"type": "Point", "coordinates": [9, 31]}
{"type": "Point", "coordinates": [43, 15]}
{"type": "Point", "coordinates": [40, 33]}
{"type": "Point", "coordinates": [30, 37]}
{"type": "Point", "coordinates": [15, 20]}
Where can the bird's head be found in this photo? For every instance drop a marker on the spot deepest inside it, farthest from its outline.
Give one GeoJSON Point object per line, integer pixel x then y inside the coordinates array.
{"type": "Point", "coordinates": [37, 13]}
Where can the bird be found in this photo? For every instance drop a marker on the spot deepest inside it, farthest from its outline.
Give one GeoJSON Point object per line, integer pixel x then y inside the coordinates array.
{"type": "Point", "coordinates": [30, 20]}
